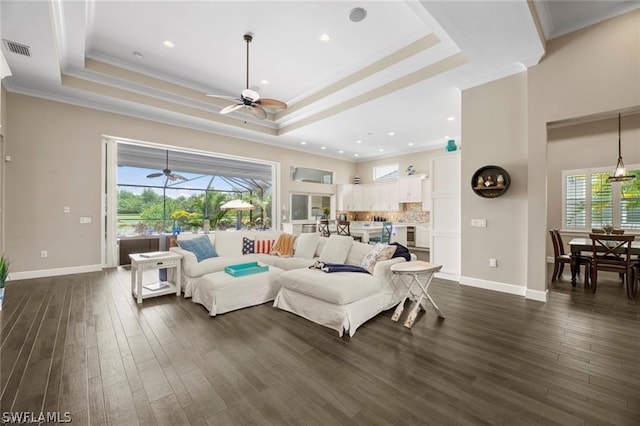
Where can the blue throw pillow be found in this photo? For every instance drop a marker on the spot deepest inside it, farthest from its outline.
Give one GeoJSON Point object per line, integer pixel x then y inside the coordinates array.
{"type": "Point", "coordinates": [200, 246]}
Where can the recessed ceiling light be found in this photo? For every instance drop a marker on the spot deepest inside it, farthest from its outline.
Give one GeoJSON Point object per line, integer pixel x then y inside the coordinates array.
{"type": "Point", "coordinates": [410, 143]}
{"type": "Point", "coordinates": [303, 143]}
{"type": "Point", "coordinates": [169, 43]}
{"type": "Point", "coordinates": [356, 155]}
{"type": "Point", "coordinates": [357, 14]}
{"type": "Point", "coordinates": [447, 137]}
{"type": "Point", "coordinates": [358, 141]}
{"type": "Point", "coordinates": [138, 55]}
{"type": "Point", "coordinates": [325, 37]}
{"type": "Point", "coordinates": [381, 150]}
{"type": "Point", "coordinates": [450, 118]}
{"type": "Point", "coordinates": [391, 133]}
{"type": "Point", "coordinates": [323, 147]}
{"type": "Point", "coordinates": [340, 152]}
{"type": "Point", "coordinates": [265, 82]}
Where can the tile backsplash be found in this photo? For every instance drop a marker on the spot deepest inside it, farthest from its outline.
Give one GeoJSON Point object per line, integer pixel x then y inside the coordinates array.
{"type": "Point", "coordinates": [410, 212]}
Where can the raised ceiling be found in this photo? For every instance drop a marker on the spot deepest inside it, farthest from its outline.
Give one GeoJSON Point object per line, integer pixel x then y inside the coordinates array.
{"type": "Point", "coordinates": [399, 71]}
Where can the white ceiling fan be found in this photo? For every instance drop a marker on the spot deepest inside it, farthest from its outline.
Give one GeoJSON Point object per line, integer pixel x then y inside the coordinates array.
{"type": "Point", "coordinates": [250, 99]}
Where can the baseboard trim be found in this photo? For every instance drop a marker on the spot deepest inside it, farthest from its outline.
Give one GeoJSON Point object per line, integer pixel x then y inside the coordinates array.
{"type": "Point", "coordinates": [540, 296]}
{"type": "Point", "coordinates": [494, 285]}
{"type": "Point", "coordinates": [43, 273]}
{"type": "Point", "coordinates": [447, 276]}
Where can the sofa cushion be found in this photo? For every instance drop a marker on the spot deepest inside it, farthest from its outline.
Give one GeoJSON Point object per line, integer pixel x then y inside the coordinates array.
{"type": "Point", "coordinates": [357, 252]}
{"type": "Point", "coordinates": [229, 243]}
{"type": "Point", "coordinates": [336, 249]}
{"type": "Point", "coordinates": [377, 254]}
{"type": "Point", "coordinates": [339, 288]}
{"type": "Point", "coordinates": [306, 245]}
{"type": "Point", "coordinates": [213, 264]}
{"type": "Point", "coordinates": [200, 246]}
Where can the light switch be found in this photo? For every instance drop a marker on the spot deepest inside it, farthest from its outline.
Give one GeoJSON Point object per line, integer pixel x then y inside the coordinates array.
{"type": "Point", "coordinates": [85, 219]}
{"type": "Point", "coordinates": [66, 209]}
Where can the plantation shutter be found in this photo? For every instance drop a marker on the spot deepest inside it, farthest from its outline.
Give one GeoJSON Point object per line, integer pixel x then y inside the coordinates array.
{"type": "Point", "coordinates": [630, 202]}
{"type": "Point", "coordinates": [601, 200]}
{"type": "Point", "coordinates": [575, 200]}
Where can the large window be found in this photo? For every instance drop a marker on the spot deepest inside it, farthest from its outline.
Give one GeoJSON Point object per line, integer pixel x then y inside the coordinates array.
{"type": "Point", "coordinates": [160, 189]}
{"type": "Point", "coordinates": [590, 201]}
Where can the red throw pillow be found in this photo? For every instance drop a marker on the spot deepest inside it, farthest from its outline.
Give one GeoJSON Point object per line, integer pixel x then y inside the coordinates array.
{"type": "Point", "coordinates": [263, 246]}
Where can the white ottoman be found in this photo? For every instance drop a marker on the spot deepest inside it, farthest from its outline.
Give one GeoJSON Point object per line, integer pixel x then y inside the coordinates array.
{"type": "Point", "coordinates": [220, 292]}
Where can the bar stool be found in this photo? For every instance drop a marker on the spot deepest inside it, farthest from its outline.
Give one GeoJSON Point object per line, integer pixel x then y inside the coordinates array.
{"type": "Point", "coordinates": [415, 269]}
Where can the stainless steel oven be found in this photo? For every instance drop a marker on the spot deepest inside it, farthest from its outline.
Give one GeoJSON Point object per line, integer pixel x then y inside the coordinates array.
{"type": "Point", "coordinates": [411, 236]}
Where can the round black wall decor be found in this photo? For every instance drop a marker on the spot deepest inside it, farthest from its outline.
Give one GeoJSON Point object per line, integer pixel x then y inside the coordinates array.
{"type": "Point", "coordinates": [490, 181]}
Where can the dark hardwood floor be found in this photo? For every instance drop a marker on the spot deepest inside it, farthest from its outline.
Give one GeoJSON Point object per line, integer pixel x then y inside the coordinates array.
{"type": "Point", "coordinates": [80, 344]}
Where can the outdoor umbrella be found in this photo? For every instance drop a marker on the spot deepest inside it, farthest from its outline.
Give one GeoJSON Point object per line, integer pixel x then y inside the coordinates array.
{"type": "Point", "coordinates": [239, 206]}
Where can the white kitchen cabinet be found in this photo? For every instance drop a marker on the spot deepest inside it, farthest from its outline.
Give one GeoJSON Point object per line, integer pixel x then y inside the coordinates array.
{"type": "Point", "coordinates": [426, 195]}
{"type": "Point", "coordinates": [388, 196]}
{"type": "Point", "coordinates": [370, 197]}
{"type": "Point", "coordinates": [423, 236]}
{"type": "Point", "coordinates": [410, 189]}
{"type": "Point", "coordinates": [349, 197]}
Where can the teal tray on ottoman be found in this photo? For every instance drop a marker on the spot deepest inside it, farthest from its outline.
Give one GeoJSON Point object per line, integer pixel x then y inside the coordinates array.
{"type": "Point", "coordinates": [243, 269]}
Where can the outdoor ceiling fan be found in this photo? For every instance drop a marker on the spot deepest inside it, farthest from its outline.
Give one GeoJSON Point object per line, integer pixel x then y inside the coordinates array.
{"type": "Point", "coordinates": [250, 99]}
{"type": "Point", "coordinates": [167, 172]}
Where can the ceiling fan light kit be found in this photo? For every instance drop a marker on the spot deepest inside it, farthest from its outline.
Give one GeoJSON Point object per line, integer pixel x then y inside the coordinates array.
{"type": "Point", "coordinates": [250, 99]}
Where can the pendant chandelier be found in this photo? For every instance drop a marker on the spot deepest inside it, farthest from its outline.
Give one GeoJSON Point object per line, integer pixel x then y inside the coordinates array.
{"type": "Point", "coordinates": [620, 174]}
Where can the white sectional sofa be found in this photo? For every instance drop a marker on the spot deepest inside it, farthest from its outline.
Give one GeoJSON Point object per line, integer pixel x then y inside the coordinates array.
{"type": "Point", "coordinates": [228, 246]}
{"type": "Point", "coordinates": [340, 300]}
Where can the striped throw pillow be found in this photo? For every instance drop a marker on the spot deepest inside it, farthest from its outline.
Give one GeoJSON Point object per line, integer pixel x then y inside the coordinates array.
{"type": "Point", "coordinates": [263, 246]}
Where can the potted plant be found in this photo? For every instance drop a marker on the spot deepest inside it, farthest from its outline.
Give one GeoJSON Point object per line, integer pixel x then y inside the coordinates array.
{"type": "Point", "coordinates": [4, 274]}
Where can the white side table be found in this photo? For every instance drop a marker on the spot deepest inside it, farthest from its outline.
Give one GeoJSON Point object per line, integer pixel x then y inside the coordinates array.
{"type": "Point", "coordinates": [415, 269]}
{"type": "Point", "coordinates": [156, 260]}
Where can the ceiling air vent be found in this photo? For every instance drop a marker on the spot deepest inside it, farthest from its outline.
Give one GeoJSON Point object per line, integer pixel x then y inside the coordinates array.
{"type": "Point", "coordinates": [18, 48]}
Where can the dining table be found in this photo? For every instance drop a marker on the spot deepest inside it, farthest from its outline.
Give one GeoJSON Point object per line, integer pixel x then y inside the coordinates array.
{"type": "Point", "coordinates": [579, 245]}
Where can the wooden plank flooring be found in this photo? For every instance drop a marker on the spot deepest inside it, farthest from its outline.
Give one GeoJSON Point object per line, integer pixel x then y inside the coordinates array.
{"type": "Point", "coordinates": [81, 344]}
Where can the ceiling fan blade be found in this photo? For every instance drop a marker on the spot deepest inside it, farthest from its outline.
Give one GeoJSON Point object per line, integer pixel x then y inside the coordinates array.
{"type": "Point", "coordinates": [154, 175]}
{"type": "Point", "coordinates": [178, 176]}
{"type": "Point", "coordinates": [171, 177]}
{"type": "Point", "coordinates": [258, 111]}
{"type": "Point", "coordinates": [272, 103]}
{"type": "Point", "coordinates": [231, 108]}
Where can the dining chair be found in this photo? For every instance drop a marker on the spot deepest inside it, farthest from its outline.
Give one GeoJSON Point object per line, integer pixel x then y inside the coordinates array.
{"type": "Point", "coordinates": [385, 237]}
{"type": "Point", "coordinates": [612, 253]}
{"type": "Point", "coordinates": [561, 258]}
{"type": "Point", "coordinates": [323, 228]}
{"type": "Point", "coordinates": [342, 228]}
{"type": "Point", "coordinates": [597, 231]}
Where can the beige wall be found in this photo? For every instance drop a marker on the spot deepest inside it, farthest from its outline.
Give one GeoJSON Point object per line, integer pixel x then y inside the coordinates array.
{"type": "Point", "coordinates": [595, 70]}
{"type": "Point", "coordinates": [591, 71]}
{"type": "Point", "coordinates": [419, 160]}
{"type": "Point", "coordinates": [583, 146]}
{"type": "Point", "coordinates": [494, 126]}
{"type": "Point", "coordinates": [56, 150]}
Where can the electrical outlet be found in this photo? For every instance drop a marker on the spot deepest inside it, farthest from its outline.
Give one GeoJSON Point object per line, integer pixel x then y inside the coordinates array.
{"type": "Point", "coordinates": [66, 209]}
{"type": "Point", "coordinates": [44, 253]}
{"type": "Point", "coordinates": [479, 223]}
{"type": "Point", "coordinates": [493, 263]}
{"type": "Point", "coordinates": [85, 219]}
